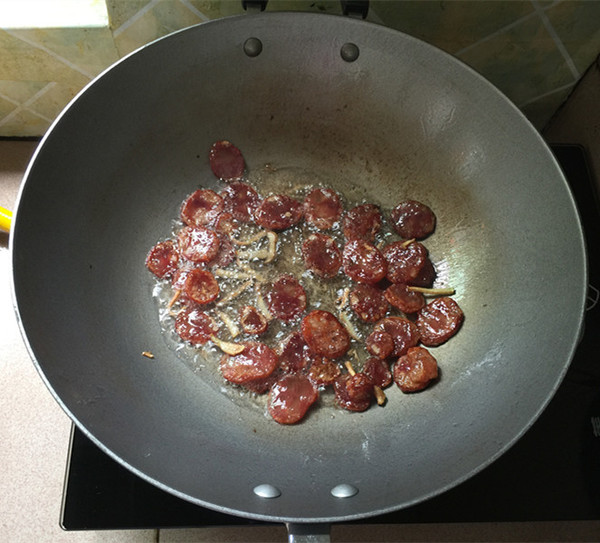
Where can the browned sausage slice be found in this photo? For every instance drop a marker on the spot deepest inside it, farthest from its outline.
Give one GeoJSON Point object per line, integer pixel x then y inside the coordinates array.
{"type": "Point", "coordinates": [252, 320]}
{"type": "Point", "coordinates": [439, 320]}
{"type": "Point", "coordinates": [322, 208]}
{"type": "Point", "coordinates": [293, 353]}
{"type": "Point", "coordinates": [201, 208]}
{"type": "Point", "coordinates": [226, 160]}
{"type": "Point", "coordinates": [412, 219]}
{"type": "Point", "coordinates": [322, 371]}
{"type": "Point", "coordinates": [362, 222]}
{"type": "Point", "coordinates": [286, 299]}
{"type": "Point", "coordinates": [291, 397]}
{"type": "Point", "coordinates": [368, 302]}
{"type": "Point", "coordinates": [278, 212]}
{"type": "Point", "coordinates": [257, 361]}
{"type": "Point", "coordinates": [380, 343]}
{"type": "Point", "coordinates": [194, 325]}
{"type": "Point", "coordinates": [201, 286]}
{"type": "Point", "coordinates": [404, 333]}
{"type": "Point", "coordinates": [324, 334]}
{"type": "Point", "coordinates": [241, 200]}
{"type": "Point", "coordinates": [321, 255]}
{"type": "Point", "coordinates": [362, 262]}
{"type": "Point", "coordinates": [404, 299]}
{"type": "Point", "coordinates": [378, 371]}
{"type": "Point", "coordinates": [404, 263]}
{"type": "Point", "coordinates": [198, 244]}
{"type": "Point", "coordinates": [354, 392]}
{"type": "Point", "coordinates": [163, 259]}
{"type": "Point", "coordinates": [415, 370]}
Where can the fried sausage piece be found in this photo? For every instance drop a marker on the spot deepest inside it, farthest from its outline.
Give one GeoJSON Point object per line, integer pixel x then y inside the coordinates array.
{"type": "Point", "coordinates": [415, 370]}
{"type": "Point", "coordinates": [291, 397]}
{"type": "Point", "coordinates": [324, 334]}
{"type": "Point", "coordinates": [439, 320]}
{"type": "Point", "coordinates": [412, 219]}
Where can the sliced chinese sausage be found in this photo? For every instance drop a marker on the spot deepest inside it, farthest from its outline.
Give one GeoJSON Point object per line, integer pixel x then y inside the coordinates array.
{"type": "Point", "coordinates": [201, 208]}
{"type": "Point", "coordinates": [324, 334]}
{"type": "Point", "coordinates": [411, 219]}
{"type": "Point", "coordinates": [226, 253]}
{"type": "Point", "coordinates": [321, 255]}
{"type": "Point", "coordinates": [426, 276]}
{"type": "Point", "coordinates": [226, 160]}
{"type": "Point", "coordinates": [225, 223]}
{"type": "Point", "coordinates": [378, 371]}
{"type": "Point", "coordinates": [354, 392]}
{"type": "Point", "coordinates": [286, 298]}
{"type": "Point", "coordinates": [322, 208]}
{"type": "Point", "coordinates": [415, 370]}
{"type": "Point", "coordinates": [404, 299]}
{"type": "Point", "coordinates": [293, 353]}
{"type": "Point", "coordinates": [278, 212]}
{"type": "Point", "coordinates": [291, 397]}
{"type": "Point", "coordinates": [363, 262]}
{"type": "Point", "coordinates": [323, 371]}
{"type": "Point", "coordinates": [163, 259]}
{"type": "Point", "coordinates": [404, 333]}
{"type": "Point", "coordinates": [194, 325]}
{"type": "Point", "coordinates": [439, 320]}
{"type": "Point", "coordinates": [241, 200]}
{"type": "Point", "coordinates": [256, 361]}
{"type": "Point", "coordinates": [262, 384]}
{"type": "Point", "coordinates": [198, 244]}
{"type": "Point", "coordinates": [368, 302]}
{"type": "Point", "coordinates": [201, 286]}
{"type": "Point", "coordinates": [362, 222]}
{"type": "Point", "coordinates": [252, 320]}
{"type": "Point", "coordinates": [380, 343]}
{"type": "Point", "coordinates": [404, 262]}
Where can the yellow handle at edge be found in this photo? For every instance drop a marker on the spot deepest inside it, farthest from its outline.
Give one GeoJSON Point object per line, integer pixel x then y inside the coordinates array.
{"type": "Point", "coordinates": [5, 219]}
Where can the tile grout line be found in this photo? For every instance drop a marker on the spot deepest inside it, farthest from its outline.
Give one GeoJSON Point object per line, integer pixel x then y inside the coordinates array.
{"type": "Point", "coordinates": [557, 41]}
{"type": "Point", "coordinates": [25, 105]}
{"type": "Point", "coordinates": [547, 93]}
{"type": "Point", "coordinates": [134, 18]}
{"type": "Point", "coordinates": [50, 52]}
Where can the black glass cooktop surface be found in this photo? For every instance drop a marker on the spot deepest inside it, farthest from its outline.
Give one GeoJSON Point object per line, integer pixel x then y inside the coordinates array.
{"type": "Point", "coordinates": [552, 473]}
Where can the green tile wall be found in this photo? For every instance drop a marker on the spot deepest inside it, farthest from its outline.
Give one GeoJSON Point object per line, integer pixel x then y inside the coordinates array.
{"type": "Point", "coordinates": [534, 51]}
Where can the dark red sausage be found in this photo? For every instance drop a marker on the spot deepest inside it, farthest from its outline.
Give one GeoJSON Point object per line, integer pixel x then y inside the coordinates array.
{"type": "Point", "coordinates": [225, 223]}
{"type": "Point", "coordinates": [378, 371]}
{"type": "Point", "coordinates": [226, 160]}
{"type": "Point", "coordinates": [278, 212]}
{"type": "Point", "coordinates": [404, 263]}
{"type": "Point", "coordinates": [290, 398]}
{"type": "Point", "coordinates": [380, 343]}
{"type": "Point", "coordinates": [415, 370]}
{"type": "Point", "coordinates": [404, 299]}
{"type": "Point", "coordinates": [286, 299]}
{"type": "Point", "coordinates": [324, 334]}
{"type": "Point", "coordinates": [226, 253]}
{"type": "Point", "coordinates": [198, 244]}
{"type": "Point", "coordinates": [201, 286]}
{"type": "Point", "coordinates": [257, 361]}
{"type": "Point", "coordinates": [179, 277]}
{"type": "Point", "coordinates": [426, 276]}
{"type": "Point", "coordinates": [362, 222]}
{"type": "Point", "coordinates": [195, 326]}
{"type": "Point", "coordinates": [368, 302]}
{"type": "Point", "coordinates": [404, 333]}
{"type": "Point", "coordinates": [412, 219]}
{"type": "Point", "coordinates": [439, 320]}
{"type": "Point", "coordinates": [362, 262]}
{"type": "Point", "coordinates": [321, 255]}
{"type": "Point", "coordinates": [354, 392]}
{"type": "Point", "coordinates": [241, 200]}
{"type": "Point", "coordinates": [201, 208]}
{"type": "Point", "coordinates": [163, 259]}
{"type": "Point", "coordinates": [293, 353]}
{"type": "Point", "coordinates": [252, 320]}
{"type": "Point", "coordinates": [322, 208]}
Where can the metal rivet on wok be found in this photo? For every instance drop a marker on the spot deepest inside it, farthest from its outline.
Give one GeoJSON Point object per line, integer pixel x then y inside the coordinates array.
{"type": "Point", "coordinates": [344, 491]}
{"type": "Point", "coordinates": [349, 52]}
{"type": "Point", "coordinates": [253, 47]}
{"type": "Point", "coordinates": [267, 491]}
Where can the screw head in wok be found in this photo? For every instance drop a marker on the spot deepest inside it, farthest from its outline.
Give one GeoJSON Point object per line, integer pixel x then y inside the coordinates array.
{"type": "Point", "coordinates": [349, 52]}
{"type": "Point", "coordinates": [267, 491]}
{"type": "Point", "coordinates": [253, 47]}
{"type": "Point", "coordinates": [344, 491]}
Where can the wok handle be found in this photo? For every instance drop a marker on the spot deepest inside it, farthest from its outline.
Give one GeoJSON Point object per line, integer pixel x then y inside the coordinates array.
{"type": "Point", "coordinates": [308, 533]}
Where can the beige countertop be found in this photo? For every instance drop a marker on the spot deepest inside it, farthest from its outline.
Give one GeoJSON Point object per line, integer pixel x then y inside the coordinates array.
{"type": "Point", "coordinates": [34, 436]}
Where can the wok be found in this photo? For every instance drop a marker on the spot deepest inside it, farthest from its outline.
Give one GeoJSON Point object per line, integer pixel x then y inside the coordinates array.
{"type": "Point", "coordinates": [401, 119]}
